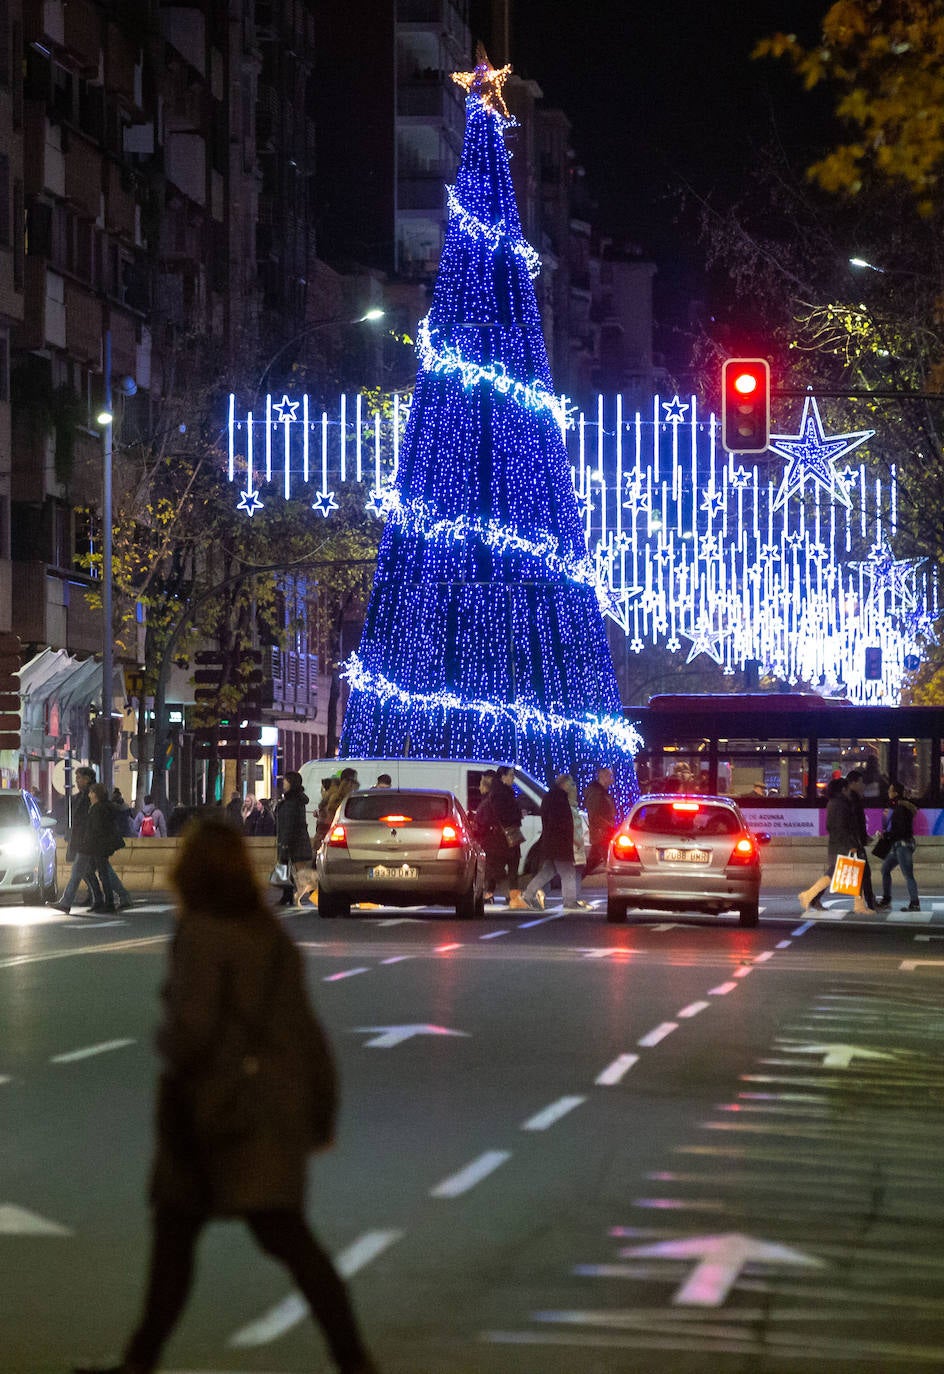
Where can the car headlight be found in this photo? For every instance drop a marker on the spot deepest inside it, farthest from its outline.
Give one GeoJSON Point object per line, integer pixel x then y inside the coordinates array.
{"type": "Point", "coordinates": [19, 845]}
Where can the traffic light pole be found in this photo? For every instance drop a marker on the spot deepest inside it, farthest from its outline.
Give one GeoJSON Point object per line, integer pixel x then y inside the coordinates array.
{"type": "Point", "coordinates": [108, 670]}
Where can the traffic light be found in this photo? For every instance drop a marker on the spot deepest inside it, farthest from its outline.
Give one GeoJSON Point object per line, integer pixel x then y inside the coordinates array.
{"type": "Point", "coordinates": [9, 691]}
{"type": "Point", "coordinates": [873, 664]}
{"type": "Point", "coordinates": [745, 405]}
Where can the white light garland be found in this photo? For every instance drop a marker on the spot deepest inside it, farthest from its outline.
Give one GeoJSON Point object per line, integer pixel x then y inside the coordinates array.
{"type": "Point", "coordinates": [493, 234]}
{"type": "Point", "coordinates": [598, 731]}
{"type": "Point", "coordinates": [447, 359]}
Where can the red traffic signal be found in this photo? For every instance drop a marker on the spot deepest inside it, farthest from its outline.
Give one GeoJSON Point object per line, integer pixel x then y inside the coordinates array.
{"type": "Point", "coordinates": [745, 405]}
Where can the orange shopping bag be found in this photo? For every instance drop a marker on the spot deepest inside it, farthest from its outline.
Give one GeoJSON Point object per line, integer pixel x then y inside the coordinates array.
{"type": "Point", "coordinates": [847, 875]}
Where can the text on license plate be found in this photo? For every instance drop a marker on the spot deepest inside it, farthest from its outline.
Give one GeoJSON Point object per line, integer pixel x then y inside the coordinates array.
{"type": "Point", "coordinates": [685, 856]}
{"type": "Point", "coordinates": [385, 871]}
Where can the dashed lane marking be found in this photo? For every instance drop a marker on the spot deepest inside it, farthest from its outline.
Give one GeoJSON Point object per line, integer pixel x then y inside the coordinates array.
{"type": "Point", "coordinates": [653, 1037]}
{"type": "Point", "coordinates": [493, 934]}
{"type": "Point", "coordinates": [293, 1309]}
{"type": "Point", "coordinates": [722, 989]}
{"type": "Point", "coordinates": [89, 1051]}
{"type": "Point", "coordinates": [546, 1118]}
{"type": "Point", "coordinates": [615, 1072]}
{"type": "Point", "coordinates": [343, 973]}
{"type": "Point", "coordinates": [691, 1010]}
{"type": "Point", "coordinates": [465, 1179]}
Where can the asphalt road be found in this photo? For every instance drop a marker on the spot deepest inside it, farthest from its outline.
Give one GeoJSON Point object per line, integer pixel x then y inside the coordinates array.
{"type": "Point", "coordinates": [671, 1146]}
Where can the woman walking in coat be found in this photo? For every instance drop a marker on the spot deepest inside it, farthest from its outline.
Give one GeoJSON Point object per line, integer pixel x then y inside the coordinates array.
{"type": "Point", "coordinates": [557, 846]}
{"type": "Point", "coordinates": [99, 841]}
{"type": "Point", "coordinates": [292, 839]}
{"type": "Point", "coordinates": [502, 856]}
{"type": "Point", "coordinates": [899, 829]}
{"type": "Point", "coordinates": [247, 1092]}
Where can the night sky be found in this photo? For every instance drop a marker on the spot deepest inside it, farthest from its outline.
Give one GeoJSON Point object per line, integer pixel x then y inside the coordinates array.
{"type": "Point", "coordinates": [666, 93]}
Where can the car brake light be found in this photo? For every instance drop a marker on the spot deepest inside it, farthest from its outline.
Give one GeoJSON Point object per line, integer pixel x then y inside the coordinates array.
{"type": "Point", "coordinates": [744, 851]}
{"type": "Point", "coordinates": [624, 847]}
{"type": "Point", "coordinates": [449, 839]}
{"type": "Point", "coordinates": [685, 806]}
{"type": "Point", "coordinates": [337, 837]}
{"type": "Point", "coordinates": [395, 820]}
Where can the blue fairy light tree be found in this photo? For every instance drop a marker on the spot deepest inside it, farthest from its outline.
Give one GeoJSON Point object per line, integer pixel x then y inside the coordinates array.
{"type": "Point", "coordinates": [484, 636]}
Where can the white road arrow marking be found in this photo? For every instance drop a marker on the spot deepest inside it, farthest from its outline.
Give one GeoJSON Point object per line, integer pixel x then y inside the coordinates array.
{"type": "Point", "coordinates": [721, 1260]}
{"type": "Point", "coordinates": [836, 1056]}
{"type": "Point", "coordinates": [605, 953]}
{"type": "Point", "coordinates": [401, 921]}
{"type": "Point", "coordinates": [668, 925]}
{"type": "Point", "coordinates": [17, 1221]}
{"type": "Point", "coordinates": [395, 1035]}
{"type": "Point", "coordinates": [909, 965]}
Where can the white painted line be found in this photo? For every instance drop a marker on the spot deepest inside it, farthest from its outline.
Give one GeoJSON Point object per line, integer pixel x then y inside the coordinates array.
{"type": "Point", "coordinates": [784, 944]}
{"type": "Point", "coordinates": [554, 916]}
{"type": "Point", "coordinates": [5, 1078]}
{"type": "Point", "coordinates": [654, 1036]}
{"type": "Point", "coordinates": [722, 989]}
{"type": "Point", "coordinates": [763, 957]}
{"type": "Point", "coordinates": [18, 1221]}
{"type": "Point", "coordinates": [118, 947]}
{"type": "Point", "coordinates": [293, 1309]}
{"type": "Point", "coordinates": [911, 917]}
{"type": "Point", "coordinates": [925, 939]}
{"type": "Point", "coordinates": [396, 959]}
{"type": "Point", "coordinates": [909, 965]}
{"type": "Point", "coordinates": [691, 1010]}
{"type": "Point", "coordinates": [89, 1051]}
{"type": "Point", "coordinates": [742, 972]}
{"type": "Point", "coordinates": [345, 973]}
{"type": "Point", "coordinates": [801, 930]}
{"type": "Point", "coordinates": [472, 1174]}
{"type": "Point", "coordinates": [614, 1073]}
{"type": "Point", "coordinates": [543, 1119]}
{"type": "Point", "coordinates": [493, 934]}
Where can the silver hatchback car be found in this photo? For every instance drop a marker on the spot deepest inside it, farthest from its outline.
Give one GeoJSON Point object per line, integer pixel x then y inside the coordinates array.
{"type": "Point", "coordinates": [401, 847]}
{"type": "Point", "coordinates": [677, 852]}
{"type": "Point", "coordinates": [27, 849]}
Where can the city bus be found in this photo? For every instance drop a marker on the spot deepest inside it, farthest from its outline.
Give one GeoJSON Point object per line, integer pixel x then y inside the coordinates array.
{"type": "Point", "coordinates": [775, 753]}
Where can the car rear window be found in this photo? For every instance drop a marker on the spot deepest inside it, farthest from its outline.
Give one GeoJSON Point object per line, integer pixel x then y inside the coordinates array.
{"type": "Point", "coordinates": [668, 818]}
{"type": "Point", "coordinates": [418, 806]}
{"type": "Point", "coordinates": [13, 809]}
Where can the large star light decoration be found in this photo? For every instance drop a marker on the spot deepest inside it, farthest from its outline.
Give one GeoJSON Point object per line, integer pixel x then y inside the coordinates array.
{"type": "Point", "coordinates": [812, 455]}
{"type": "Point", "coordinates": [706, 640]}
{"type": "Point", "coordinates": [889, 575]}
{"type": "Point", "coordinates": [486, 83]}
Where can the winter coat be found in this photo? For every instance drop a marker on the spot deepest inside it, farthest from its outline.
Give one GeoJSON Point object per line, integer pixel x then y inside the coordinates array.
{"type": "Point", "coordinates": [601, 813]}
{"type": "Point", "coordinates": [160, 824]}
{"type": "Point", "coordinates": [123, 820]}
{"type": "Point", "coordinates": [80, 810]}
{"type": "Point", "coordinates": [259, 822]}
{"type": "Point", "coordinates": [100, 836]}
{"type": "Point", "coordinates": [505, 806]}
{"type": "Point", "coordinates": [841, 826]}
{"type": "Point", "coordinates": [225, 972]}
{"type": "Point", "coordinates": [557, 827]}
{"type": "Point", "coordinates": [291, 831]}
{"type": "Point", "coordinates": [899, 823]}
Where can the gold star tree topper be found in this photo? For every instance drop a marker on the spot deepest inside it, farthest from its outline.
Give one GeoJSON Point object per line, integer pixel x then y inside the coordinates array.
{"type": "Point", "coordinates": [486, 82]}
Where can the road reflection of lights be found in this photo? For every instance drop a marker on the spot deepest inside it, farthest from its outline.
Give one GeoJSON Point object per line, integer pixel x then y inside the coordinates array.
{"type": "Point", "coordinates": [445, 949]}
{"type": "Point", "coordinates": [29, 916]}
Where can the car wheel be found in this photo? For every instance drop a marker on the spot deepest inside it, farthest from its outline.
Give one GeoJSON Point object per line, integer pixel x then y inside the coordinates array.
{"type": "Point", "coordinates": [748, 913]}
{"type": "Point", "coordinates": [467, 908]}
{"type": "Point", "coordinates": [616, 910]}
{"type": "Point", "coordinates": [331, 905]}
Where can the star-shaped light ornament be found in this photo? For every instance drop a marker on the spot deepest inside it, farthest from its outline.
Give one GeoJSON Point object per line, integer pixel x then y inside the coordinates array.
{"type": "Point", "coordinates": [285, 405]}
{"type": "Point", "coordinates": [706, 640]}
{"type": "Point", "coordinates": [486, 83]}
{"type": "Point", "coordinates": [324, 503]}
{"type": "Point", "coordinates": [890, 576]}
{"type": "Point", "coordinates": [249, 502]}
{"type": "Point", "coordinates": [674, 410]}
{"type": "Point", "coordinates": [740, 478]}
{"type": "Point", "coordinates": [812, 455]}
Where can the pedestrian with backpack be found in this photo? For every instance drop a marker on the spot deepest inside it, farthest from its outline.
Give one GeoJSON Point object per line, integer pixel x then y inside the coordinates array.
{"type": "Point", "coordinates": [149, 823]}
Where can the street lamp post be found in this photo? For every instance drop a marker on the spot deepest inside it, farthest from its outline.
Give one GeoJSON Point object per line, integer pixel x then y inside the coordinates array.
{"type": "Point", "coordinates": [369, 316]}
{"type": "Point", "coordinates": [108, 670]}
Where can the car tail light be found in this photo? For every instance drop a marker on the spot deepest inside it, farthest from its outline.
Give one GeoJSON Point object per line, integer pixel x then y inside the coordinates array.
{"type": "Point", "coordinates": [685, 806]}
{"type": "Point", "coordinates": [395, 820]}
{"type": "Point", "coordinates": [744, 851]}
{"type": "Point", "coordinates": [337, 837]}
{"type": "Point", "coordinates": [624, 847]}
{"type": "Point", "coordinates": [449, 838]}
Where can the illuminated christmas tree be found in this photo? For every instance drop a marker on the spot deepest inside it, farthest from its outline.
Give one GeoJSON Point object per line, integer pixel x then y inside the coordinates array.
{"type": "Point", "coordinates": [484, 636]}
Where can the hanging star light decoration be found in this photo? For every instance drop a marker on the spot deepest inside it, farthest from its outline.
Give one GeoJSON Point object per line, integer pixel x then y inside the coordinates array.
{"type": "Point", "coordinates": [286, 409]}
{"type": "Point", "coordinates": [324, 503]}
{"type": "Point", "coordinates": [249, 502]}
{"type": "Point", "coordinates": [812, 455]}
{"type": "Point", "coordinates": [486, 83]}
{"type": "Point", "coordinates": [674, 410]}
{"type": "Point", "coordinates": [889, 575]}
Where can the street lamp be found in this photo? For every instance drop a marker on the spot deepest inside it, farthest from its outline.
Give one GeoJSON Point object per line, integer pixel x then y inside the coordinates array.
{"type": "Point", "coordinates": [105, 419]}
{"type": "Point", "coordinates": [369, 317]}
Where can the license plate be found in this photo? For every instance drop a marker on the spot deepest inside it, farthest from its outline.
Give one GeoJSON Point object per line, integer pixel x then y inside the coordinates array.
{"type": "Point", "coordinates": [685, 856]}
{"type": "Point", "coordinates": [383, 871]}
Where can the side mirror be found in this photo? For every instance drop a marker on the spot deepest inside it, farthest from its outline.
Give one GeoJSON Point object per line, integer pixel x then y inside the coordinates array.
{"type": "Point", "coordinates": [762, 837]}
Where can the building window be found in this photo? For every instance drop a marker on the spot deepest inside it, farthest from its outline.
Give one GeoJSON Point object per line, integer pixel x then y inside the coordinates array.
{"type": "Point", "coordinates": [4, 201]}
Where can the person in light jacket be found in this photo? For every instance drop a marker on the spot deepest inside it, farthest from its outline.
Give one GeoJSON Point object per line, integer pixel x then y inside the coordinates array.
{"type": "Point", "coordinates": [233, 967]}
{"type": "Point", "coordinates": [150, 823]}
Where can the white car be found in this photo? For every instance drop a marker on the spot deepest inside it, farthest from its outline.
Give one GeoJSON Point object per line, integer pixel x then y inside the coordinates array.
{"type": "Point", "coordinates": [27, 849]}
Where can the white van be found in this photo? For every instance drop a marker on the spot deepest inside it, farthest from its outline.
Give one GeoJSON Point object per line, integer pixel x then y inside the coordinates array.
{"type": "Point", "coordinates": [460, 776]}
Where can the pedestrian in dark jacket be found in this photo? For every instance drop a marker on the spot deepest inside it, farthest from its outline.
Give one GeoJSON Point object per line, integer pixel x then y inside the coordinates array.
{"type": "Point", "coordinates": [83, 865]}
{"type": "Point", "coordinates": [899, 829]}
{"type": "Point", "coordinates": [123, 816]}
{"type": "Point", "coordinates": [235, 988]}
{"type": "Point", "coordinates": [557, 846]}
{"type": "Point", "coordinates": [292, 838]}
{"type": "Point", "coordinates": [601, 816]}
{"type": "Point", "coordinates": [99, 841]}
{"type": "Point", "coordinates": [502, 848]}
{"type": "Point", "coordinates": [845, 831]}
